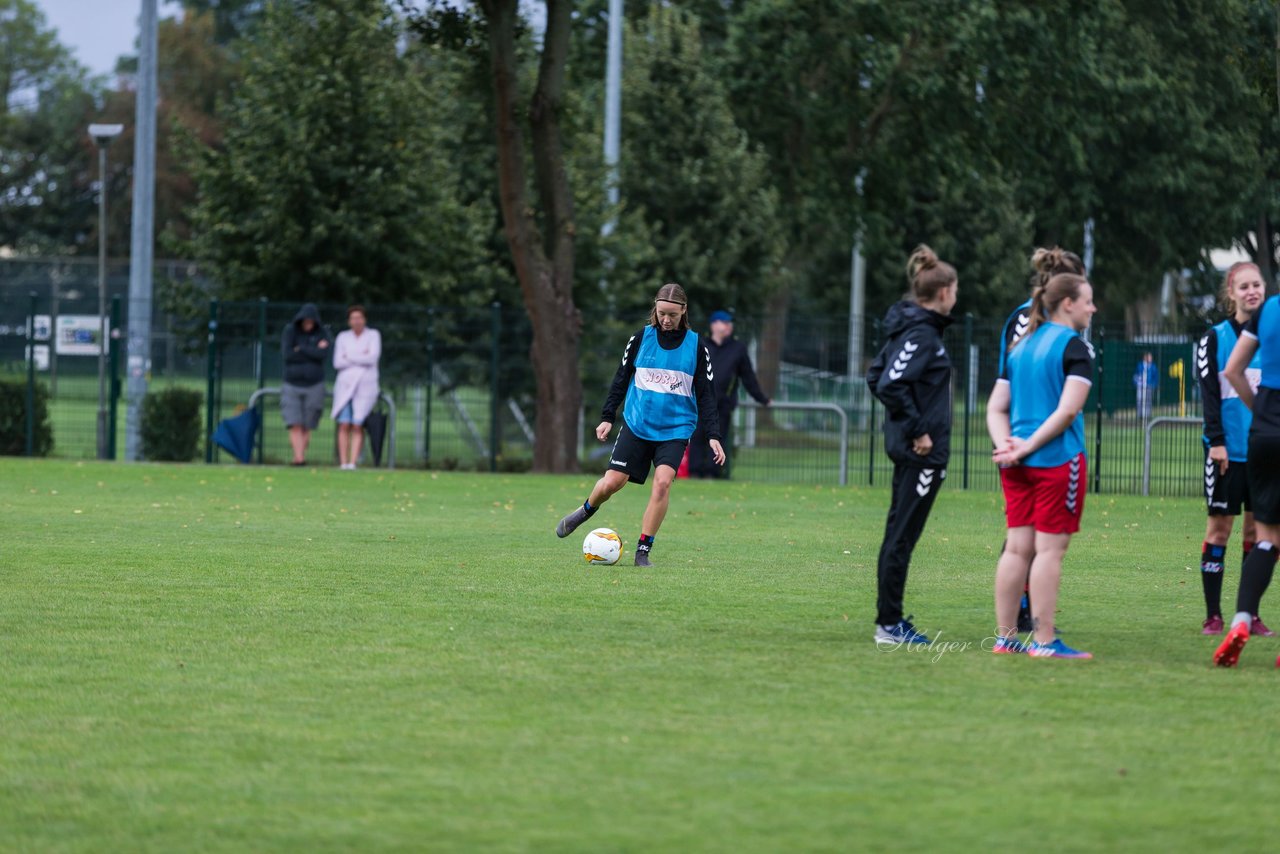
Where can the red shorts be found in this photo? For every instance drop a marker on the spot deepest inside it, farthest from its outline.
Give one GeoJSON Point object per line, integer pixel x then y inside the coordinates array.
{"type": "Point", "coordinates": [1049, 499]}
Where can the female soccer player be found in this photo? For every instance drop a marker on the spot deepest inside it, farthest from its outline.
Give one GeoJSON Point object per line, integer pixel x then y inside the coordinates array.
{"type": "Point", "coordinates": [665, 376]}
{"type": "Point", "coordinates": [912, 378]}
{"type": "Point", "coordinates": [1261, 337]}
{"type": "Point", "coordinates": [1035, 417]}
{"type": "Point", "coordinates": [1226, 439]}
{"type": "Point", "coordinates": [1046, 263]}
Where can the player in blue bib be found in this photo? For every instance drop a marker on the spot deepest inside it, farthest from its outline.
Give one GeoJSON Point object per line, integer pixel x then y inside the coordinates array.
{"type": "Point", "coordinates": [1035, 417]}
{"type": "Point", "coordinates": [1047, 263]}
{"type": "Point", "coordinates": [1226, 439]}
{"type": "Point", "coordinates": [666, 380]}
{"type": "Point", "coordinates": [1259, 339]}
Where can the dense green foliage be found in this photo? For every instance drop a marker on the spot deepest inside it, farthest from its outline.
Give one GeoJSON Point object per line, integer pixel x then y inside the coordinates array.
{"type": "Point", "coordinates": [46, 206]}
{"type": "Point", "coordinates": [171, 424]}
{"type": "Point", "coordinates": [276, 659]}
{"type": "Point", "coordinates": [759, 137]}
{"type": "Point", "coordinates": [13, 419]}
{"type": "Point", "coordinates": [331, 182]}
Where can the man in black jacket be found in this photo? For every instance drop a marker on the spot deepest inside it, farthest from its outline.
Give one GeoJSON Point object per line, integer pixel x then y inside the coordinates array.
{"type": "Point", "coordinates": [730, 362]}
{"type": "Point", "coordinates": [305, 347]}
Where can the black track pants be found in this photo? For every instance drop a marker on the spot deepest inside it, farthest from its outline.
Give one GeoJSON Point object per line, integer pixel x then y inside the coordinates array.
{"type": "Point", "coordinates": [914, 491]}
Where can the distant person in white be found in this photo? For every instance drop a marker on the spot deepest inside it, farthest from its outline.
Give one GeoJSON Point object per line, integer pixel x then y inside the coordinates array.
{"type": "Point", "coordinates": [355, 392]}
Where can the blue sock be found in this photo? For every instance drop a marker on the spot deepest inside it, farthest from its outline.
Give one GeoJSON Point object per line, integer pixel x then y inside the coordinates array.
{"type": "Point", "coordinates": [586, 505]}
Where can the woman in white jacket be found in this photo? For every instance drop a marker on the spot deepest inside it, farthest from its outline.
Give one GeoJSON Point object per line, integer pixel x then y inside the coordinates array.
{"type": "Point", "coordinates": [355, 392]}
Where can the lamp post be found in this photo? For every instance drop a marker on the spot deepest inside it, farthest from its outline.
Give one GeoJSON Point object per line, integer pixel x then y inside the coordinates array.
{"type": "Point", "coordinates": [102, 136]}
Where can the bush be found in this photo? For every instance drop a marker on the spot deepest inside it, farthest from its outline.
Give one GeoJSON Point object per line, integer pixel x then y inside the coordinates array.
{"type": "Point", "coordinates": [171, 425]}
{"type": "Point", "coordinates": [13, 420]}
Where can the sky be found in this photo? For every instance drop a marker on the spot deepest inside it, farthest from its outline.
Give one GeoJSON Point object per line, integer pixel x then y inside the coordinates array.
{"type": "Point", "coordinates": [97, 31]}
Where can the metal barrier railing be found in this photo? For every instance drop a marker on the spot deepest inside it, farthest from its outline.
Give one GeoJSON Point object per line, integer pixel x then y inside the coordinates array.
{"type": "Point", "coordinates": [1146, 445]}
{"type": "Point", "coordinates": [786, 405]}
{"type": "Point", "coordinates": [382, 395]}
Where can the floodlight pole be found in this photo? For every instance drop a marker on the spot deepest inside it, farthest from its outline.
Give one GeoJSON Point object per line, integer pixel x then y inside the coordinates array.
{"type": "Point", "coordinates": [142, 242]}
{"type": "Point", "coordinates": [102, 136]}
{"type": "Point", "coordinates": [613, 112]}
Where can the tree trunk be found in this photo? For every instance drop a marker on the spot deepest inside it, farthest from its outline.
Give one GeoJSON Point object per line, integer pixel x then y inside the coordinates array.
{"type": "Point", "coordinates": [544, 262]}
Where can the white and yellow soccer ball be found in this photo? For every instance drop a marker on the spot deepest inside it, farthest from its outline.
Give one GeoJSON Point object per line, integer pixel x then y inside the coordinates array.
{"type": "Point", "coordinates": [602, 546]}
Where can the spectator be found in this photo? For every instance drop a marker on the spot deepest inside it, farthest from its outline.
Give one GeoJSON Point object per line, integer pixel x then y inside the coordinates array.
{"type": "Point", "coordinates": [355, 392]}
{"type": "Point", "coordinates": [730, 362]}
{"type": "Point", "coordinates": [1145, 380]}
{"type": "Point", "coordinates": [305, 346]}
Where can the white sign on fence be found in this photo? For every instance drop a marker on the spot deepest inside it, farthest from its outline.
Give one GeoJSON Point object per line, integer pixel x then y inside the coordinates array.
{"type": "Point", "coordinates": [42, 356]}
{"type": "Point", "coordinates": [80, 334]}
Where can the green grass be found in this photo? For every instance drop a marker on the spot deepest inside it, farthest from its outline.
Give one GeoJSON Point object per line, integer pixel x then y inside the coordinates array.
{"type": "Point", "coordinates": [228, 659]}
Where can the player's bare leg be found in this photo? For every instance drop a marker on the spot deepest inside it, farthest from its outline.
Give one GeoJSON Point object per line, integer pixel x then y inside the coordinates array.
{"type": "Point", "coordinates": [659, 501]}
{"type": "Point", "coordinates": [605, 488]}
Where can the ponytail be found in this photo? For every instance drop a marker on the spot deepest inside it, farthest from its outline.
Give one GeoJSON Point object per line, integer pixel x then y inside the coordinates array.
{"type": "Point", "coordinates": [1046, 298]}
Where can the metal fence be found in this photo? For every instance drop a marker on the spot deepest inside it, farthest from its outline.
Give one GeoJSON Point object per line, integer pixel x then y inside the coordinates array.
{"type": "Point", "coordinates": [464, 390]}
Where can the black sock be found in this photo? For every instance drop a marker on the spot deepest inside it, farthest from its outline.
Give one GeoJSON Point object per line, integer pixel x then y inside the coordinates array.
{"type": "Point", "coordinates": [645, 544]}
{"type": "Point", "coordinates": [1246, 546]}
{"type": "Point", "coordinates": [1211, 577]}
{"type": "Point", "coordinates": [590, 511]}
{"type": "Point", "coordinates": [1255, 577]}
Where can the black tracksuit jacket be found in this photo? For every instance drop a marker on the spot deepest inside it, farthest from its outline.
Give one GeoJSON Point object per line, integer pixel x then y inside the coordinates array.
{"type": "Point", "coordinates": [911, 376]}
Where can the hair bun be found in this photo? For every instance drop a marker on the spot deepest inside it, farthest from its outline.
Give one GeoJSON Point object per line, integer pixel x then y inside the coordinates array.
{"type": "Point", "coordinates": [923, 258]}
{"type": "Point", "coordinates": [1047, 260]}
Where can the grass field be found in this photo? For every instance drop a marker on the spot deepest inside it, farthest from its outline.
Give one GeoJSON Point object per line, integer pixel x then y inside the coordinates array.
{"type": "Point", "coordinates": [230, 659]}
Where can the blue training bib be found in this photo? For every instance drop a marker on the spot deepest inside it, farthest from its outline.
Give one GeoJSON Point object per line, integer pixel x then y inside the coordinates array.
{"type": "Point", "coordinates": [661, 404]}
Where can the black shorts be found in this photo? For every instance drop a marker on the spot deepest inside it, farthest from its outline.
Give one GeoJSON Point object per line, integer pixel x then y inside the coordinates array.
{"type": "Point", "coordinates": [1225, 494]}
{"type": "Point", "coordinates": [1264, 476]}
{"type": "Point", "coordinates": [634, 455]}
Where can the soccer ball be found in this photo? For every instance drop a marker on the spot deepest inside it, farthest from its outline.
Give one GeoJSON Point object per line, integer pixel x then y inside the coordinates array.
{"type": "Point", "coordinates": [602, 546]}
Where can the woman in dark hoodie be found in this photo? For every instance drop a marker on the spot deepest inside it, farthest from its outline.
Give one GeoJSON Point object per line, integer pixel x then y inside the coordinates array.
{"type": "Point", "coordinates": [305, 347]}
{"type": "Point", "coordinates": [911, 376]}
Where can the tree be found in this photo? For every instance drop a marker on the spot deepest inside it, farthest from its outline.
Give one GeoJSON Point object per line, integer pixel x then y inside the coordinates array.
{"type": "Point", "coordinates": [541, 232]}
{"type": "Point", "coordinates": [996, 120]}
{"type": "Point", "coordinates": [1258, 56]}
{"type": "Point", "coordinates": [1155, 126]}
{"type": "Point", "coordinates": [232, 19]}
{"type": "Point", "coordinates": [878, 96]}
{"type": "Point", "coordinates": [699, 184]}
{"type": "Point", "coordinates": [329, 184]}
{"type": "Point", "coordinates": [195, 73]}
{"type": "Point", "coordinates": [46, 158]}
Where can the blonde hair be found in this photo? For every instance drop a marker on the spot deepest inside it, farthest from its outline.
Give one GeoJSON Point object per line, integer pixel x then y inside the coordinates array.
{"type": "Point", "coordinates": [1047, 297]}
{"type": "Point", "coordinates": [1048, 263]}
{"type": "Point", "coordinates": [671, 292]}
{"type": "Point", "coordinates": [927, 275]}
{"type": "Point", "coordinates": [1224, 294]}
